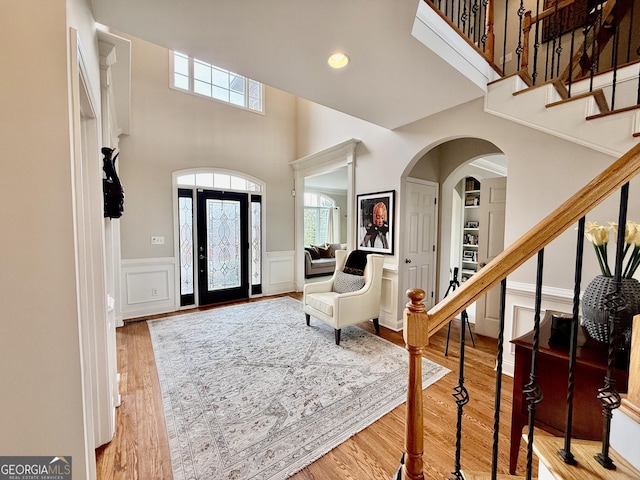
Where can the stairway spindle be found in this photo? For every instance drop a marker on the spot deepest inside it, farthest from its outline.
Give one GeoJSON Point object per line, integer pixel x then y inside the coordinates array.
{"type": "Point", "coordinates": [499, 358]}
{"type": "Point", "coordinates": [615, 302]}
{"type": "Point", "coordinates": [532, 391]}
{"type": "Point", "coordinates": [565, 453]}
{"type": "Point", "coordinates": [461, 396]}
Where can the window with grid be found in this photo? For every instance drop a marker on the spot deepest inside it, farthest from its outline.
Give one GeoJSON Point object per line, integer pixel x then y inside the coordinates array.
{"type": "Point", "coordinates": [205, 79]}
{"type": "Point", "coordinates": [316, 218]}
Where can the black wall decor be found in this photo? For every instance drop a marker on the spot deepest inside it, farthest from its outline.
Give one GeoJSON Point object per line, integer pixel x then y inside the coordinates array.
{"type": "Point", "coordinates": [113, 190]}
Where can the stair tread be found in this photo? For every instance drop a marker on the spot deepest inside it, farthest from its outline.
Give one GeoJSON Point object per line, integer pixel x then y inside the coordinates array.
{"type": "Point", "coordinates": [598, 95]}
{"type": "Point", "coordinates": [487, 476]}
{"type": "Point", "coordinates": [584, 451]}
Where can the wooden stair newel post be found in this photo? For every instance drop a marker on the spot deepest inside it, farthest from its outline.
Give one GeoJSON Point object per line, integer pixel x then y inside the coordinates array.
{"type": "Point", "coordinates": [416, 337]}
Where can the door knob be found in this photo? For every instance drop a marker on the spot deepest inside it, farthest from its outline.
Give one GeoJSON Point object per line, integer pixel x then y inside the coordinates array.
{"type": "Point", "coordinates": [407, 260]}
{"type": "Point", "coordinates": [201, 257]}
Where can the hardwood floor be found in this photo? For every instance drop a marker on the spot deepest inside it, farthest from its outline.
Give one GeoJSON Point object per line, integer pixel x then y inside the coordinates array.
{"type": "Point", "coordinates": [140, 448]}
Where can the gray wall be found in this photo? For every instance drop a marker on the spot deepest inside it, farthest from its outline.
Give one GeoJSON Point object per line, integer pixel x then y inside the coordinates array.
{"type": "Point", "coordinates": [172, 130]}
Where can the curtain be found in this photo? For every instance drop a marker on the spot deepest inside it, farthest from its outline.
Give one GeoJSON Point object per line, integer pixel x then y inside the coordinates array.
{"type": "Point", "coordinates": [333, 225]}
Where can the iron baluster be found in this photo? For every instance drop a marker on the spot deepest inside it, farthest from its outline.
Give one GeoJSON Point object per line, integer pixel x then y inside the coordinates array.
{"type": "Point", "coordinates": [593, 67]}
{"type": "Point", "coordinates": [461, 396]}
{"type": "Point", "coordinates": [565, 453]}
{"type": "Point", "coordinates": [483, 17]}
{"type": "Point", "coordinates": [464, 17]}
{"type": "Point", "coordinates": [614, 59]}
{"type": "Point", "coordinates": [532, 391]}
{"type": "Point", "coordinates": [519, 48]}
{"type": "Point", "coordinates": [615, 302]}
{"type": "Point", "coordinates": [573, 43]}
{"type": "Point", "coordinates": [504, 41]}
{"type": "Point", "coordinates": [536, 45]}
{"type": "Point", "coordinates": [474, 25]}
{"type": "Point", "coordinates": [496, 409]}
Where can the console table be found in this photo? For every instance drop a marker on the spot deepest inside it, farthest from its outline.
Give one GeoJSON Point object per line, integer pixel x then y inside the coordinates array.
{"type": "Point", "coordinates": [553, 372]}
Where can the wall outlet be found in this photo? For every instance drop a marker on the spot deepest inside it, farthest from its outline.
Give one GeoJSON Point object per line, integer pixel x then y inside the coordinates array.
{"type": "Point", "coordinates": [507, 58]}
{"type": "Point", "coordinates": [157, 240]}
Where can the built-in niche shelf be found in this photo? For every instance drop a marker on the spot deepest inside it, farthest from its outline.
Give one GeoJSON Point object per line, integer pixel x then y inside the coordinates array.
{"type": "Point", "coordinates": [470, 228]}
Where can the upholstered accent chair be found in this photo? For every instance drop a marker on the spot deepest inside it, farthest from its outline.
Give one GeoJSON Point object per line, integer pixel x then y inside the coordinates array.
{"type": "Point", "coordinates": [348, 297]}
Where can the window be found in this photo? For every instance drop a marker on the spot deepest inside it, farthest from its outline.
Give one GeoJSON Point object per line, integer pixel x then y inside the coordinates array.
{"type": "Point", "coordinates": [317, 211]}
{"type": "Point", "coordinates": [219, 181]}
{"type": "Point", "coordinates": [210, 81]}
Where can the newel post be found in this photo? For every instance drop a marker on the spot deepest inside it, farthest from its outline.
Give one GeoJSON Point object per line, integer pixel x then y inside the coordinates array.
{"type": "Point", "coordinates": [526, 30]}
{"type": "Point", "coordinates": [491, 38]}
{"type": "Point", "coordinates": [416, 337]}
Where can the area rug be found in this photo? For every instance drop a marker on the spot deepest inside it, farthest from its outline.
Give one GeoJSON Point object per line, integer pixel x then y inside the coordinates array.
{"type": "Point", "coordinates": [251, 392]}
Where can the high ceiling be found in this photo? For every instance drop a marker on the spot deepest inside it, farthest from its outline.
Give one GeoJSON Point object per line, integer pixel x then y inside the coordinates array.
{"type": "Point", "coordinates": [393, 79]}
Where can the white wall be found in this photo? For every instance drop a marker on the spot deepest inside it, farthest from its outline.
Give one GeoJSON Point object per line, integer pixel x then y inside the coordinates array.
{"type": "Point", "coordinates": [543, 172]}
{"type": "Point", "coordinates": [40, 356]}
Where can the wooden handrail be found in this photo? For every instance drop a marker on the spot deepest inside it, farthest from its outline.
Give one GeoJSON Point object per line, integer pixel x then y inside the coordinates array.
{"type": "Point", "coordinates": [595, 192]}
{"type": "Point", "coordinates": [420, 325]}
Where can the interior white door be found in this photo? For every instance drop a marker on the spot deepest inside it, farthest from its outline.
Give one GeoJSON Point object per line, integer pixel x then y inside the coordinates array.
{"type": "Point", "coordinates": [493, 201]}
{"type": "Point", "coordinates": [420, 238]}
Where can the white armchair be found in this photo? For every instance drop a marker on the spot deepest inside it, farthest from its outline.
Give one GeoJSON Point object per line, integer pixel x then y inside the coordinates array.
{"type": "Point", "coordinates": [324, 300]}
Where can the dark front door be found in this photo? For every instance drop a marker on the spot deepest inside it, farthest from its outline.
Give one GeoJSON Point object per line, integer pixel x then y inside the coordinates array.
{"type": "Point", "coordinates": [223, 246]}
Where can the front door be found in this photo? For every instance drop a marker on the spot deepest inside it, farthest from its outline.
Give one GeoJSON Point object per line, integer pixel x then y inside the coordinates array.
{"type": "Point", "coordinates": [420, 238]}
{"type": "Point", "coordinates": [223, 246]}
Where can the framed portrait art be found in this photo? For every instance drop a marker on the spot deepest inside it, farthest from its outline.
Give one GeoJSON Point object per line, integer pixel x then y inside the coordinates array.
{"type": "Point", "coordinates": [376, 222]}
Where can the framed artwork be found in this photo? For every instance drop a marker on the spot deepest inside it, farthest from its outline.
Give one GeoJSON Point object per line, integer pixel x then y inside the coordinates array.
{"type": "Point", "coordinates": [376, 222]}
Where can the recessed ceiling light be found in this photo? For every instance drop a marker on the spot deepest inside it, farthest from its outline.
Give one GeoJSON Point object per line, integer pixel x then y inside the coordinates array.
{"type": "Point", "coordinates": [338, 60]}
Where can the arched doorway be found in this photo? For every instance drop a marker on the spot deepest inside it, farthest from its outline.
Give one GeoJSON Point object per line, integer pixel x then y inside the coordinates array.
{"type": "Point", "coordinates": [449, 164]}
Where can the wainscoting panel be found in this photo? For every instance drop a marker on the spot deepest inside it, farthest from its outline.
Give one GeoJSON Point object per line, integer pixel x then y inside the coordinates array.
{"type": "Point", "coordinates": [279, 268]}
{"type": "Point", "coordinates": [520, 312]}
{"type": "Point", "coordinates": [390, 313]}
{"type": "Point", "coordinates": [148, 287]}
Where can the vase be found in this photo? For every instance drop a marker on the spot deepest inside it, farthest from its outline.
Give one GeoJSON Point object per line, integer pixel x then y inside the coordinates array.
{"type": "Point", "coordinates": [595, 316]}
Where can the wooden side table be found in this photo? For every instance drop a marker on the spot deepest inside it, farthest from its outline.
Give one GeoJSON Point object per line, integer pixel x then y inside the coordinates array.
{"type": "Point", "coordinates": [553, 372]}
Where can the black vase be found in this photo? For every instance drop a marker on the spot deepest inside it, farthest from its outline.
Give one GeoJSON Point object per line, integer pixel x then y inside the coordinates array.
{"type": "Point", "coordinates": [595, 316]}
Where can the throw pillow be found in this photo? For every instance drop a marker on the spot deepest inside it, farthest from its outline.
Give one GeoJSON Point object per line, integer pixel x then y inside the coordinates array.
{"type": "Point", "coordinates": [325, 251]}
{"type": "Point", "coordinates": [313, 251]}
{"type": "Point", "coordinates": [345, 282]}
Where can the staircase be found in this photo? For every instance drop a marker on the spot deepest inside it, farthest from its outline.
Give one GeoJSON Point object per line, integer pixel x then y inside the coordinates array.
{"type": "Point", "coordinates": [580, 110]}
{"type": "Point", "coordinates": [585, 118]}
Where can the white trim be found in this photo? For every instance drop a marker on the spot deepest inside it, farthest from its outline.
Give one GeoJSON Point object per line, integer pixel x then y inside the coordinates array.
{"type": "Point", "coordinates": [332, 158]}
{"type": "Point", "coordinates": [435, 33]}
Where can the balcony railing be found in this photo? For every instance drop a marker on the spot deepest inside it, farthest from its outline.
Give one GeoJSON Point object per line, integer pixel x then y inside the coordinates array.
{"type": "Point", "coordinates": [571, 41]}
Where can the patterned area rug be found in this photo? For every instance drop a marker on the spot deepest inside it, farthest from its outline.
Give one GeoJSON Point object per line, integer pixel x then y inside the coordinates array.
{"type": "Point", "coordinates": [251, 392]}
